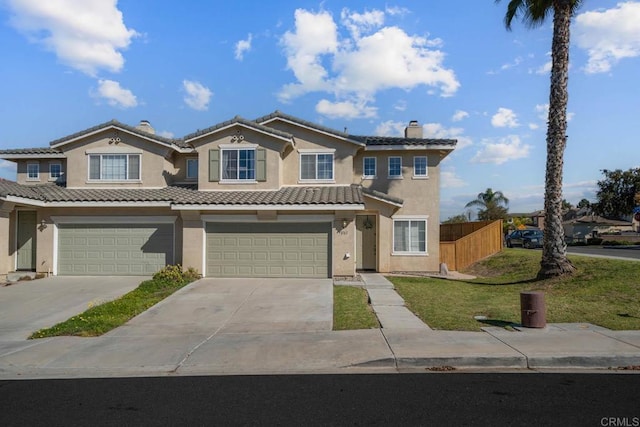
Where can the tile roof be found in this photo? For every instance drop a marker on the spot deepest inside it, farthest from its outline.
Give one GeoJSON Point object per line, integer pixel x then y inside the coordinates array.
{"type": "Point", "coordinates": [166, 141]}
{"type": "Point", "coordinates": [391, 140]}
{"type": "Point", "coordinates": [27, 151]}
{"type": "Point", "coordinates": [279, 114]}
{"type": "Point", "coordinates": [188, 195]}
{"type": "Point", "coordinates": [238, 120]}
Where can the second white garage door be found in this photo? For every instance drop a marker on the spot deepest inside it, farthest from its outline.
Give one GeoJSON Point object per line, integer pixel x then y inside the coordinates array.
{"type": "Point", "coordinates": [268, 250]}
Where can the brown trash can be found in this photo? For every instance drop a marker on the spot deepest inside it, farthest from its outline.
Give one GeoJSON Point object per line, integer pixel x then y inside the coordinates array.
{"type": "Point", "coordinates": [533, 311]}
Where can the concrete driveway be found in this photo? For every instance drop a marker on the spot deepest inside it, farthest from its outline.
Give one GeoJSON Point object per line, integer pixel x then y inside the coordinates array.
{"type": "Point", "coordinates": [212, 306]}
{"type": "Point", "coordinates": [28, 306]}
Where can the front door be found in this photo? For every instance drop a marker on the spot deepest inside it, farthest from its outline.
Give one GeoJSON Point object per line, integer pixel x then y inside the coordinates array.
{"type": "Point", "coordinates": [26, 254]}
{"type": "Point", "coordinates": [366, 242]}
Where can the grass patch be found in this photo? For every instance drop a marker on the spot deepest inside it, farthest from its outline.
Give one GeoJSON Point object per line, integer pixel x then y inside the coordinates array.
{"type": "Point", "coordinates": [351, 309]}
{"type": "Point", "coordinates": [102, 318]}
{"type": "Point", "coordinates": [604, 292]}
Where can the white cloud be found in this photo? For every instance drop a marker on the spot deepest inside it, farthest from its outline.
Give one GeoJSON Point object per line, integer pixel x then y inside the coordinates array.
{"type": "Point", "coordinates": [166, 134]}
{"type": "Point", "coordinates": [544, 69]}
{"type": "Point", "coordinates": [345, 109]}
{"type": "Point", "coordinates": [502, 150]}
{"type": "Point", "coordinates": [243, 46]}
{"type": "Point", "coordinates": [400, 105]}
{"type": "Point", "coordinates": [459, 115]}
{"type": "Point", "coordinates": [87, 35]}
{"type": "Point", "coordinates": [198, 96]}
{"type": "Point", "coordinates": [449, 179]}
{"type": "Point", "coordinates": [534, 126]}
{"type": "Point", "coordinates": [505, 118]}
{"type": "Point", "coordinates": [115, 95]}
{"type": "Point", "coordinates": [6, 164]}
{"type": "Point", "coordinates": [390, 128]}
{"type": "Point", "coordinates": [361, 61]}
{"type": "Point", "coordinates": [609, 35]}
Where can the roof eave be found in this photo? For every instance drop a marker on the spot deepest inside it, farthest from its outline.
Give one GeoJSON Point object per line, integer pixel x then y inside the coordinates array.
{"type": "Point", "coordinates": [258, 207]}
{"type": "Point", "coordinates": [345, 138]}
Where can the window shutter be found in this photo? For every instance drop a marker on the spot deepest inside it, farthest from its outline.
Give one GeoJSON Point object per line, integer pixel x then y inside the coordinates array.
{"type": "Point", "coordinates": [214, 165]}
{"type": "Point", "coordinates": [261, 164]}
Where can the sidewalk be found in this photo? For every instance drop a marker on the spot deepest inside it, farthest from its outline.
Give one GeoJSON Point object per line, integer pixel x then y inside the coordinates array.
{"type": "Point", "coordinates": [403, 342]}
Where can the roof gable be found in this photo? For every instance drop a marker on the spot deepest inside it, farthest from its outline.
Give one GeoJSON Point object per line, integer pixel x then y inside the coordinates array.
{"type": "Point", "coordinates": [176, 144]}
{"type": "Point", "coordinates": [242, 122]}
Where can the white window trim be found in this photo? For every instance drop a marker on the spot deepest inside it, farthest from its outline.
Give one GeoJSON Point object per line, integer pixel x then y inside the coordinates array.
{"type": "Point", "coordinates": [51, 177]}
{"type": "Point", "coordinates": [37, 178]}
{"type": "Point", "coordinates": [426, 170]}
{"type": "Point", "coordinates": [306, 152]}
{"type": "Point", "coordinates": [364, 174]}
{"type": "Point", "coordinates": [186, 172]}
{"type": "Point", "coordinates": [100, 180]}
{"type": "Point", "coordinates": [426, 235]}
{"type": "Point", "coordinates": [232, 147]}
{"type": "Point", "coordinates": [389, 168]}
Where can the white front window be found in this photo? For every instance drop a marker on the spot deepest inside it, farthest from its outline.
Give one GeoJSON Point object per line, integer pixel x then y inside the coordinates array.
{"type": "Point", "coordinates": [395, 167]}
{"type": "Point", "coordinates": [55, 171]}
{"type": "Point", "coordinates": [420, 166]}
{"type": "Point", "coordinates": [114, 167]}
{"type": "Point", "coordinates": [369, 167]}
{"type": "Point", "coordinates": [192, 168]}
{"type": "Point", "coordinates": [33, 171]}
{"type": "Point", "coordinates": [239, 165]}
{"type": "Point", "coordinates": [410, 236]}
{"type": "Point", "coordinates": [316, 167]}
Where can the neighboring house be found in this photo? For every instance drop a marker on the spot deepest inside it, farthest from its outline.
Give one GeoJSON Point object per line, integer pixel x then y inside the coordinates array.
{"type": "Point", "coordinates": [586, 227]}
{"type": "Point", "coordinates": [273, 197]}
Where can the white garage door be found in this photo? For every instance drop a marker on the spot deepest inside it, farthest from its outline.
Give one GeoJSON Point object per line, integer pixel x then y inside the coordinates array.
{"type": "Point", "coordinates": [268, 250]}
{"type": "Point", "coordinates": [109, 249]}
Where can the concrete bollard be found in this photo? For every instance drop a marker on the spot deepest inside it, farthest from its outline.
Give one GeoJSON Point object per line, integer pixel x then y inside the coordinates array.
{"type": "Point", "coordinates": [533, 311]}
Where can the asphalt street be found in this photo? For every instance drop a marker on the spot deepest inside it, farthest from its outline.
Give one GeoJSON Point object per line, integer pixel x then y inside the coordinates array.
{"type": "Point", "coordinates": [377, 399]}
{"type": "Point", "coordinates": [613, 251]}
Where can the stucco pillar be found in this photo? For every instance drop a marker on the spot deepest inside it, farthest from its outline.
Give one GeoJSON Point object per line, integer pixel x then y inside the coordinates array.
{"type": "Point", "coordinates": [344, 235]}
{"type": "Point", "coordinates": [5, 241]}
{"type": "Point", "coordinates": [192, 241]}
{"type": "Point", "coordinates": [44, 243]}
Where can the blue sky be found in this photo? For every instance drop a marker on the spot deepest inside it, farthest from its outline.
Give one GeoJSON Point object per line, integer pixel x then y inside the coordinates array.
{"type": "Point", "coordinates": [370, 67]}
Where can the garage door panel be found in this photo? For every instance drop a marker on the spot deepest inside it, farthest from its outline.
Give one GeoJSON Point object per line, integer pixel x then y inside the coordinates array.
{"type": "Point", "coordinates": [268, 250]}
{"type": "Point", "coordinates": [110, 249]}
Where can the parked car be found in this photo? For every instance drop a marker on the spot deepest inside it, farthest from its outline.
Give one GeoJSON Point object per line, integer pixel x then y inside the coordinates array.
{"type": "Point", "coordinates": [526, 238]}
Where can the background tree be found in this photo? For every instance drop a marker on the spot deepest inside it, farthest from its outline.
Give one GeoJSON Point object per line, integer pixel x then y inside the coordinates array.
{"type": "Point", "coordinates": [491, 205]}
{"type": "Point", "coordinates": [616, 192]}
{"type": "Point", "coordinates": [566, 205]}
{"type": "Point", "coordinates": [584, 203]}
{"type": "Point", "coordinates": [456, 219]}
{"type": "Point", "coordinates": [533, 13]}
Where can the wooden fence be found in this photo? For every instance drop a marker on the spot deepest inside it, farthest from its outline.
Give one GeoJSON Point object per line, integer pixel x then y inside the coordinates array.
{"type": "Point", "coordinates": [463, 244]}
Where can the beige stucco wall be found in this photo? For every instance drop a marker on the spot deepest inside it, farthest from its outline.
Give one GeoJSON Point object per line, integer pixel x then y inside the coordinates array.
{"type": "Point", "coordinates": [21, 171]}
{"type": "Point", "coordinates": [421, 197]}
{"type": "Point", "coordinates": [273, 148]}
{"type": "Point", "coordinates": [192, 240]}
{"type": "Point", "coordinates": [343, 240]}
{"type": "Point", "coordinates": [152, 160]}
{"type": "Point", "coordinates": [7, 218]}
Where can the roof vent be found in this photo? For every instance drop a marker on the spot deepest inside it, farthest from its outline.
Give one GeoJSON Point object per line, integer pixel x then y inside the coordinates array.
{"type": "Point", "coordinates": [145, 126]}
{"type": "Point", "coordinates": [414, 130]}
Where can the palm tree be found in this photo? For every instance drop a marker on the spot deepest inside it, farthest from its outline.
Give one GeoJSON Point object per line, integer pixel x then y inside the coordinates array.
{"type": "Point", "coordinates": [490, 203]}
{"type": "Point", "coordinates": [533, 13]}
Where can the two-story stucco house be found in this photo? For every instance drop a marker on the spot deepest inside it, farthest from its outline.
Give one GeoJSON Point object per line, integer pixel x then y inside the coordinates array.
{"type": "Point", "coordinates": [274, 197]}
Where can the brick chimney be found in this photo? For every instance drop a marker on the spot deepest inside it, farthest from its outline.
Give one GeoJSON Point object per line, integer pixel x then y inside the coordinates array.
{"type": "Point", "coordinates": [414, 130]}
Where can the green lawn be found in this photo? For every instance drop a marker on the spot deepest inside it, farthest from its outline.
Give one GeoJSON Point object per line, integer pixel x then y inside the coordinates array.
{"type": "Point", "coordinates": [351, 309]}
{"type": "Point", "coordinates": [604, 292]}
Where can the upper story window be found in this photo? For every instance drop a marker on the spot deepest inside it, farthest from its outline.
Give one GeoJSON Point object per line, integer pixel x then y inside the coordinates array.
{"type": "Point", "coordinates": [33, 171]}
{"type": "Point", "coordinates": [55, 171]}
{"type": "Point", "coordinates": [239, 164]}
{"type": "Point", "coordinates": [369, 167]}
{"type": "Point", "coordinates": [231, 164]}
{"type": "Point", "coordinates": [420, 166]}
{"type": "Point", "coordinates": [114, 167]}
{"type": "Point", "coordinates": [192, 169]}
{"type": "Point", "coordinates": [395, 167]}
{"type": "Point", "coordinates": [316, 166]}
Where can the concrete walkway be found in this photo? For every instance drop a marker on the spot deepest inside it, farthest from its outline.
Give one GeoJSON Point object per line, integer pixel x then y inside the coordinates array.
{"type": "Point", "coordinates": [402, 343]}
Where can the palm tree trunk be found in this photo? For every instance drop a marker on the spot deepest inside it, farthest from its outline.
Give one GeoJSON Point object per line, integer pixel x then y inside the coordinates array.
{"type": "Point", "coordinates": [554, 254]}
